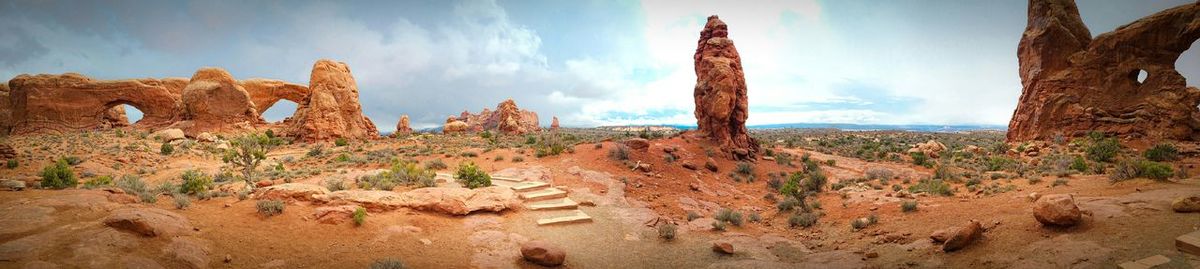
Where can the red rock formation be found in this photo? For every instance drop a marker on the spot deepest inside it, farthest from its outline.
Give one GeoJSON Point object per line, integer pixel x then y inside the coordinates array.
{"type": "Point", "coordinates": [332, 109]}
{"type": "Point", "coordinates": [1073, 84]}
{"type": "Point", "coordinates": [58, 103]}
{"type": "Point", "coordinates": [554, 123]}
{"type": "Point", "coordinates": [508, 118]}
{"type": "Point", "coordinates": [6, 109]}
{"type": "Point", "coordinates": [720, 93]}
{"type": "Point", "coordinates": [114, 118]}
{"type": "Point", "coordinates": [453, 125]}
{"type": "Point", "coordinates": [214, 101]}
{"type": "Point", "coordinates": [266, 92]}
{"type": "Point", "coordinates": [402, 126]}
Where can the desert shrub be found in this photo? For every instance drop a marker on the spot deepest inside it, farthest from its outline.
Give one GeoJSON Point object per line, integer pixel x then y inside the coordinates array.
{"type": "Point", "coordinates": [718, 226]}
{"type": "Point", "coordinates": [692, 215]}
{"type": "Point", "coordinates": [872, 219]}
{"type": "Point", "coordinates": [932, 186]}
{"type": "Point", "coordinates": [247, 152]}
{"type": "Point", "coordinates": [518, 158]}
{"type": "Point", "coordinates": [667, 231]}
{"type": "Point", "coordinates": [59, 176]}
{"type": "Point", "coordinates": [1155, 170]}
{"type": "Point", "coordinates": [774, 183]}
{"type": "Point", "coordinates": [316, 151]}
{"type": "Point", "coordinates": [619, 152]}
{"type": "Point", "coordinates": [744, 168]}
{"type": "Point", "coordinates": [858, 224]}
{"type": "Point", "coordinates": [830, 162]}
{"type": "Point", "coordinates": [469, 154]}
{"type": "Point", "coordinates": [269, 208]}
{"type": "Point", "coordinates": [340, 142]}
{"type": "Point", "coordinates": [360, 216]}
{"type": "Point", "coordinates": [166, 149]}
{"type": "Point", "coordinates": [1000, 163]}
{"type": "Point", "coordinates": [788, 203]}
{"type": "Point", "coordinates": [243, 195]}
{"type": "Point", "coordinates": [805, 220]}
{"type": "Point", "coordinates": [754, 217]}
{"type": "Point", "coordinates": [195, 182]}
{"type": "Point", "coordinates": [472, 176]}
{"type": "Point", "coordinates": [728, 215]}
{"type": "Point", "coordinates": [1102, 149]}
{"type": "Point", "coordinates": [814, 182]}
{"type": "Point", "coordinates": [388, 264]}
{"type": "Point", "coordinates": [148, 197]}
{"type": "Point", "coordinates": [1035, 180]}
{"type": "Point", "coordinates": [919, 158]}
{"type": "Point", "coordinates": [1079, 164]}
{"type": "Point", "coordinates": [181, 201]}
{"type": "Point", "coordinates": [131, 184]}
{"type": "Point", "coordinates": [908, 206]}
{"type": "Point", "coordinates": [98, 182]}
{"type": "Point", "coordinates": [435, 164]}
{"type": "Point", "coordinates": [73, 160]}
{"type": "Point", "coordinates": [12, 164]}
{"type": "Point", "coordinates": [944, 172]}
{"type": "Point", "coordinates": [1059, 182]}
{"type": "Point", "coordinates": [876, 173]}
{"type": "Point", "coordinates": [335, 184]}
{"type": "Point", "coordinates": [1162, 153]}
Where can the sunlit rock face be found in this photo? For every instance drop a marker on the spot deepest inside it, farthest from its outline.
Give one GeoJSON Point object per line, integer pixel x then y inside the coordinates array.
{"type": "Point", "coordinates": [721, 102]}
{"type": "Point", "coordinates": [1073, 83]}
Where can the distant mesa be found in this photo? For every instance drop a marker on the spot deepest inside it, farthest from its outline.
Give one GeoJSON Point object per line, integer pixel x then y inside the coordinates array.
{"type": "Point", "coordinates": [720, 93]}
{"type": "Point", "coordinates": [1073, 83]}
{"type": "Point", "coordinates": [507, 119]}
{"type": "Point", "coordinates": [211, 101]}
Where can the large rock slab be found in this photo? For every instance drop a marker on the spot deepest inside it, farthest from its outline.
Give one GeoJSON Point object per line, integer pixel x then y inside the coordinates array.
{"type": "Point", "coordinates": [291, 192]}
{"type": "Point", "coordinates": [722, 105]}
{"type": "Point", "coordinates": [461, 201]}
{"type": "Point", "coordinates": [148, 222]}
{"type": "Point", "coordinates": [543, 253]}
{"type": "Point", "coordinates": [1074, 84]}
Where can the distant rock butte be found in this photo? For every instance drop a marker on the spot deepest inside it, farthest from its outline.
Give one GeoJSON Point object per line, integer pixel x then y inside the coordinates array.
{"type": "Point", "coordinates": [1073, 83]}
{"type": "Point", "coordinates": [402, 126]}
{"type": "Point", "coordinates": [720, 93]}
{"type": "Point", "coordinates": [507, 118]}
{"type": "Point", "coordinates": [554, 123]}
{"type": "Point", "coordinates": [211, 101]}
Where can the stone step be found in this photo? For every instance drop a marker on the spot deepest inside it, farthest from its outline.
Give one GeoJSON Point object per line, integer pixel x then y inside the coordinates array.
{"type": "Point", "coordinates": [509, 179]}
{"type": "Point", "coordinates": [543, 194]}
{"type": "Point", "coordinates": [564, 203]}
{"type": "Point", "coordinates": [528, 186]}
{"type": "Point", "coordinates": [575, 217]}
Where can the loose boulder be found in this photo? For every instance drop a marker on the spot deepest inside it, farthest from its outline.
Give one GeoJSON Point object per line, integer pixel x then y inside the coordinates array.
{"type": "Point", "coordinates": [963, 237]}
{"type": "Point", "coordinates": [1186, 204]}
{"type": "Point", "coordinates": [722, 247]}
{"type": "Point", "coordinates": [168, 135]}
{"type": "Point", "coordinates": [638, 144]}
{"type": "Point", "coordinates": [1057, 210]}
{"type": "Point", "coordinates": [543, 253]}
{"type": "Point", "coordinates": [722, 105]}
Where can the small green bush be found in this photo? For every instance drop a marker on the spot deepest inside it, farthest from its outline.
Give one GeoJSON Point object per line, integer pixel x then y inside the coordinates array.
{"type": "Point", "coordinates": [360, 216]}
{"type": "Point", "coordinates": [692, 215]}
{"type": "Point", "coordinates": [1102, 149]}
{"type": "Point", "coordinates": [787, 204]}
{"type": "Point", "coordinates": [471, 176]}
{"type": "Point", "coordinates": [1155, 170]}
{"type": "Point", "coordinates": [744, 168]}
{"type": "Point", "coordinates": [518, 158]}
{"type": "Point", "coordinates": [335, 184]}
{"type": "Point", "coordinates": [435, 164]}
{"type": "Point", "coordinates": [316, 151]}
{"type": "Point", "coordinates": [98, 182]}
{"type": "Point", "coordinates": [166, 149]}
{"type": "Point", "coordinates": [803, 220]}
{"type": "Point", "coordinates": [908, 206]}
{"type": "Point", "coordinates": [195, 182]}
{"type": "Point", "coordinates": [1162, 153]}
{"type": "Point", "coordinates": [667, 231]}
{"type": "Point", "coordinates": [718, 226]}
{"type": "Point", "coordinates": [388, 264]}
{"type": "Point", "coordinates": [340, 142]}
{"type": "Point", "coordinates": [1059, 182]}
{"type": "Point", "coordinates": [619, 152]}
{"type": "Point", "coordinates": [728, 215]}
{"type": "Point", "coordinates": [59, 176]}
{"type": "Point", "coordinates": [1079, 164]}
{"type": "Point", "coordinates": [1000, 163]}
{"type": "Point", "coordinates": [12, 164]}
{"type": "Point", "coordinates": [919, 158]}
{"type": "Point", "coordinates": [858, 224]}
{"type": "Point", "coordinates": [269, 208]}
{"type": "Point", "coordinates": [181, 201]}
{"type": "Point", "coordinates": [934, 186]}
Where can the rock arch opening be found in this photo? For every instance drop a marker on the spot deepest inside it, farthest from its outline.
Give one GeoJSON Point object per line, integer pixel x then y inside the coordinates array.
{"type": "Point", "coordinates": [1188, 65]}
{"type": "Point", "coordinates": [279, 111]}
{"type": "Point", "coordinates": [119, 114]}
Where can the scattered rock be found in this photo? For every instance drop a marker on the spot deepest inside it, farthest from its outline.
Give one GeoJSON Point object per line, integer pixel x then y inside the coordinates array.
{"type": "Point", "coordinates": [722, 247]}
{"type": "Point", "coordinates": [148, 222]}
{"type": "Point", "coordinates": [1057, 209]}
{"type": "Point", "coordinates": [711, 165]}
{"type": "Point", "coordinates": [206, 137]}
{"type": "Point", "coordinates": [228, 258]}
{"type": "Point", "coordinates": [963, 237]}
{"type": "Point", "coordinates": [1186, 204]}
{"type": "Point", "coordinates": [543, 253]}
{"type": "Point", "coordinates": [720, 92]}
{"type": "Point", "coordinates": [12, 185]}
{"type": "Point", "coordinates": [930, 148]}
{"type": "Point", "coordinates": [688, 165]}
{"type": "Point", "coordinates": [637, 144]}
{"type": "Point", "coordinates": [168, 135]}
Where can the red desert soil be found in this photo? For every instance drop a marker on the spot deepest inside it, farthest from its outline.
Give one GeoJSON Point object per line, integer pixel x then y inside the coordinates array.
{"type": "Point", "coordinates": [1125, 221]}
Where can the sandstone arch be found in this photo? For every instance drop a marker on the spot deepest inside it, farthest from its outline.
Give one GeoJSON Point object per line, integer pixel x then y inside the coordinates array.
{"type": "Point", "coordinates": [1073, 84]}
{"type": "Point", "coordinates": [266, 92]}
{"type": "Point", "coordinates": [58, 103]}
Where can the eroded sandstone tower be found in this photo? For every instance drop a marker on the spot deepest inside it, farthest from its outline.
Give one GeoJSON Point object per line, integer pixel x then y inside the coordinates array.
{"type": "Point", "coordinates": [721, 102]}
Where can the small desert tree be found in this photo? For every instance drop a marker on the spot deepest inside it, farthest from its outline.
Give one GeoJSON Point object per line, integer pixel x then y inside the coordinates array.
{"type": "Point", "coordinates": [247, 152]}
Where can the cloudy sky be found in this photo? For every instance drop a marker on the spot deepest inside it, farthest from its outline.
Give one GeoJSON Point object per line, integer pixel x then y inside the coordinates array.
{"type": "Point", "coordinates": [588, 62]}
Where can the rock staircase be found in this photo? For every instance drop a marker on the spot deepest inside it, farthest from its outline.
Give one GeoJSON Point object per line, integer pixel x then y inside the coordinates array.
{"type": "Point", "coordinates": [540, 196]}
